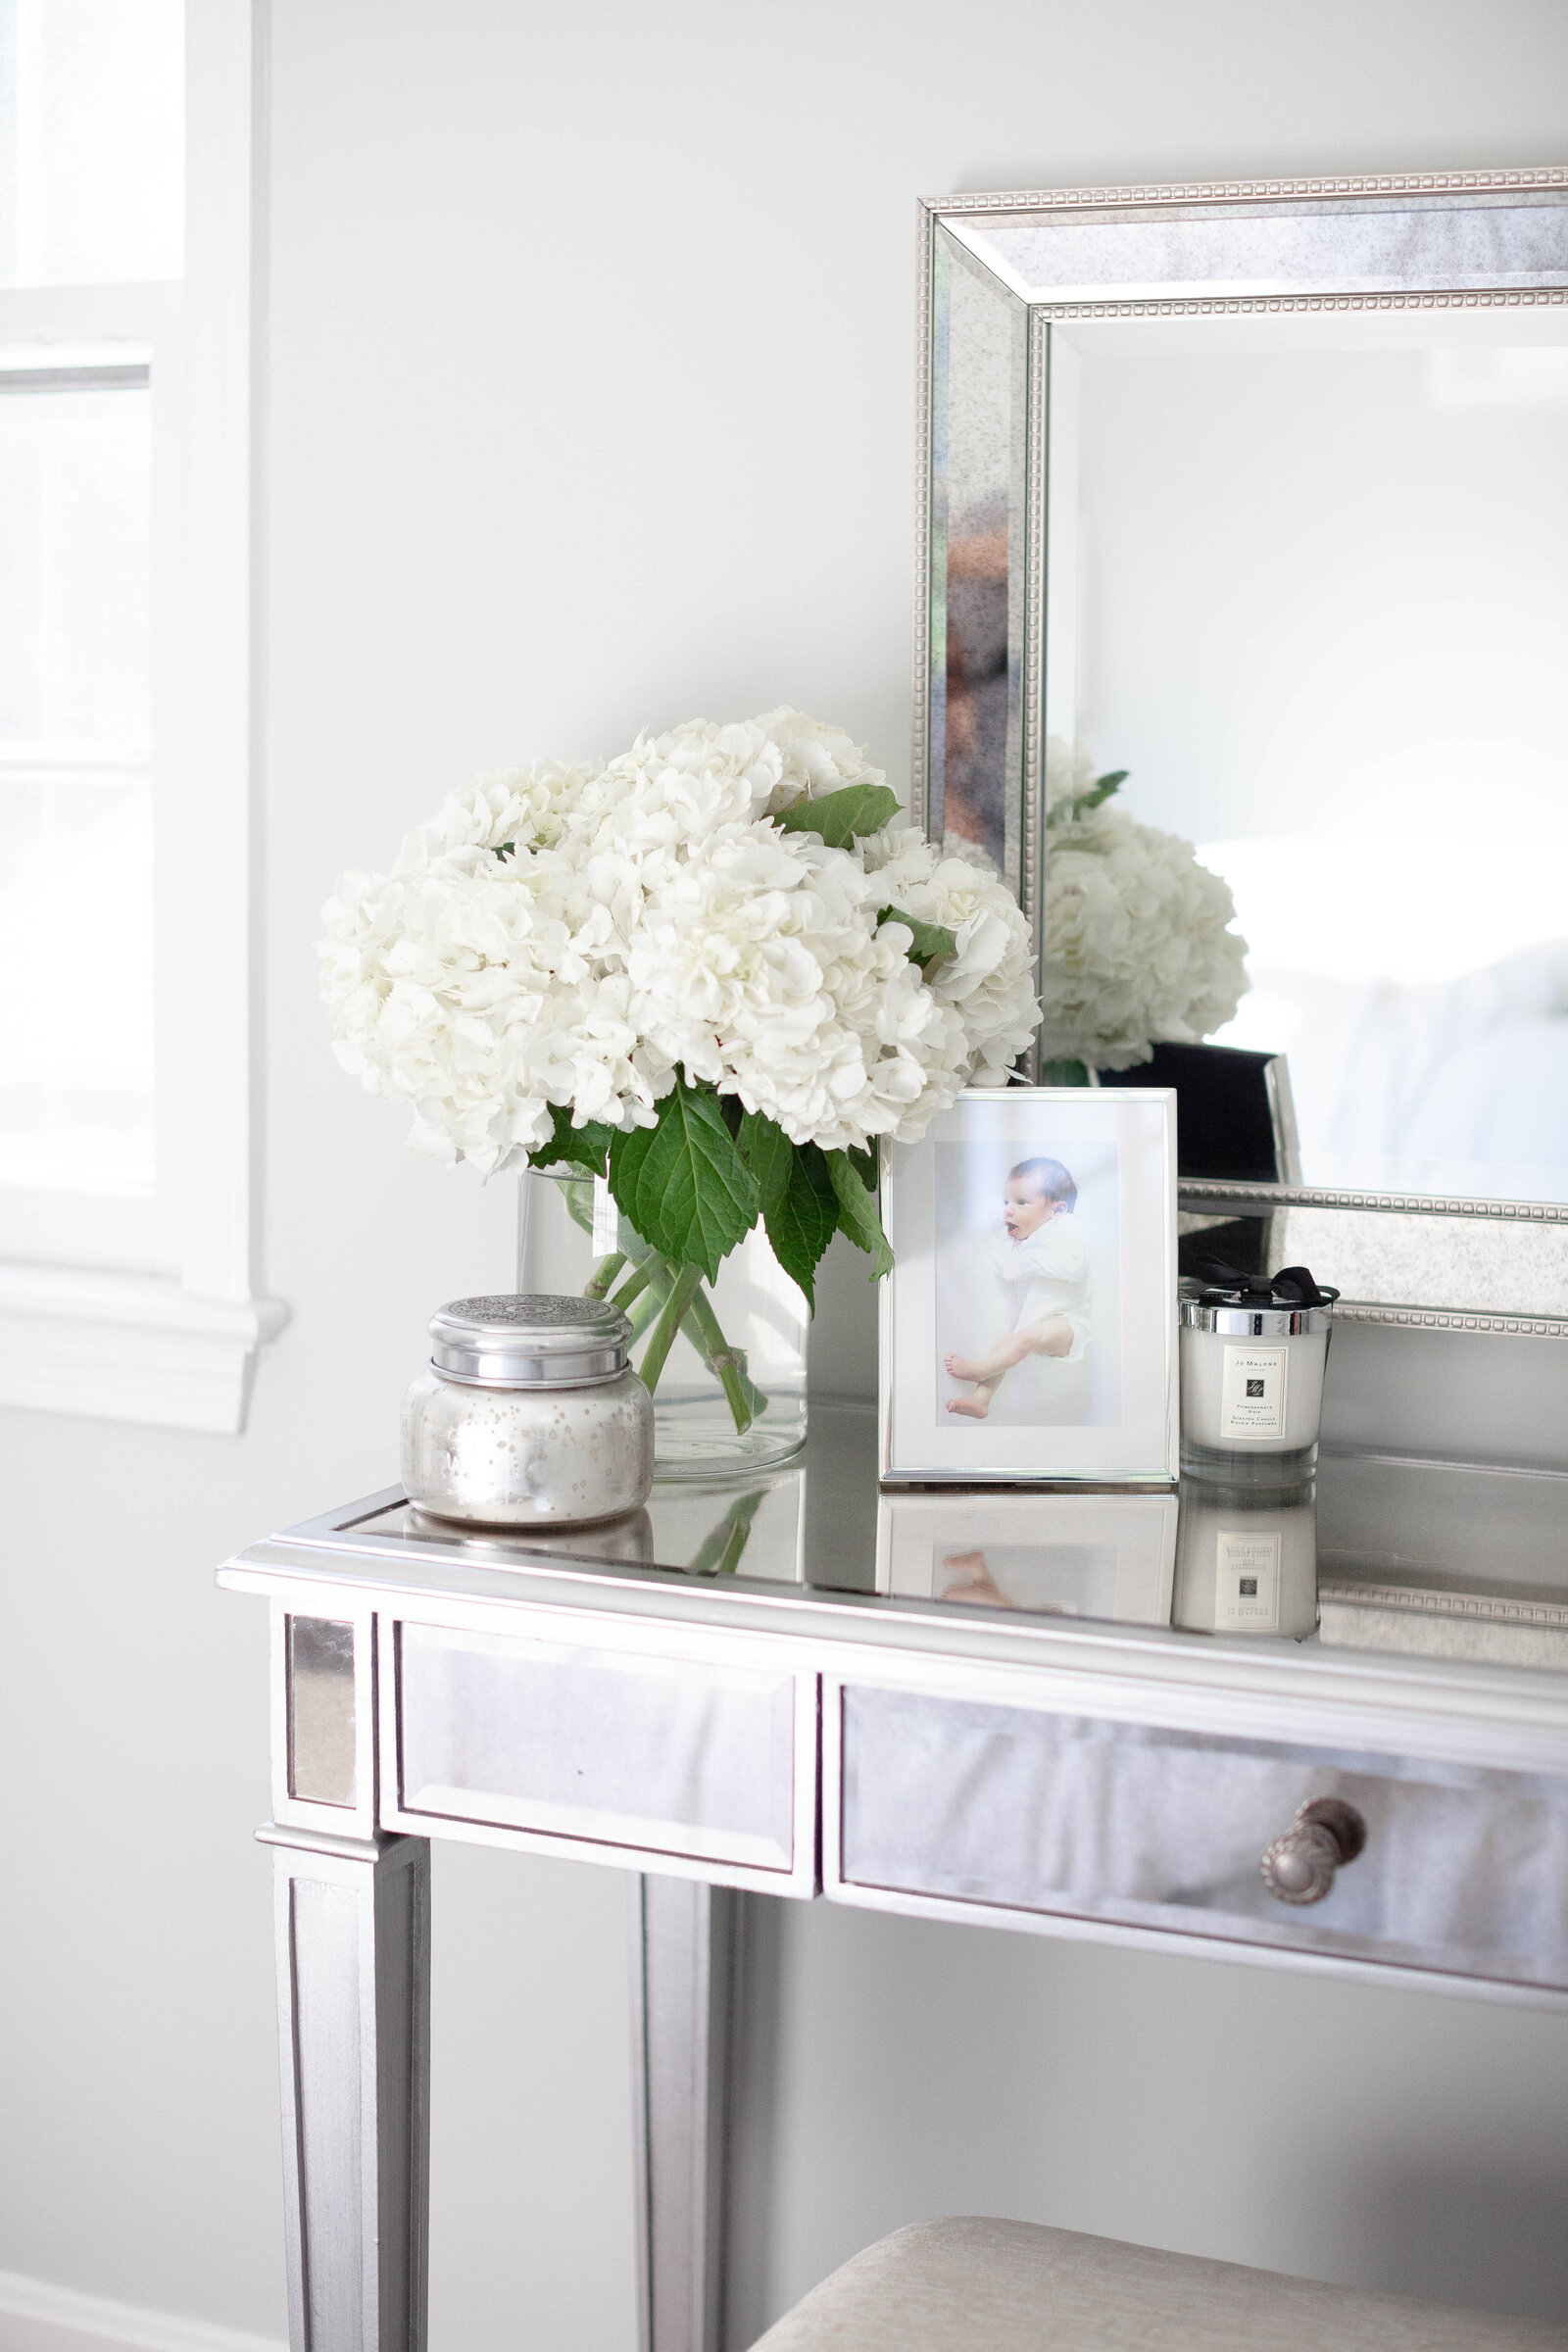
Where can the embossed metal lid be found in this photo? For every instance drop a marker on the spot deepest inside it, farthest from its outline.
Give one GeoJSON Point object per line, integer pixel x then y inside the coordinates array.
{"type": "Point", "coordinates": [514, 1340]}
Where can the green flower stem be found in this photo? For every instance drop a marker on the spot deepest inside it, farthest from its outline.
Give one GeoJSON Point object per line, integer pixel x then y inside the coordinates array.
{"type": "Point", "coordinates": [721, 1548]}
{"type": "Point", "coordinates": [603, 1274]}
{"type": "Point", "coordinates": [1063, 1074]}
{"type": "Point", "coordinates": [654, 1279]}
{"type": "Point", "coordinates": [642, 1311]}
{"type": "Point", "coordinates": [739, 1536]}
{"type": "Point", "coordinates": [645, 1293]}
{"type": "Point", "coordinates": [746, 1398]}
{"type": "Point", "coordinates": [669, 1321]}
{"type": "Point", "coordinates": [701, 1326]}
{"type": "Point", "coordinates": [633, 1287]}
{"type": "Point", "coordinates": [651, 1292]}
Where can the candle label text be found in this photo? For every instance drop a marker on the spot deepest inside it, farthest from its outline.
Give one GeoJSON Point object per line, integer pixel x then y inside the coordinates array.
{"type": "Point", "coordinates": [1252, 1392]}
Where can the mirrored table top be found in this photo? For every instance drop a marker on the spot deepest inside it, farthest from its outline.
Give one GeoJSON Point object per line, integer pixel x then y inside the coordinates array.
{"type": "Point", "coordinates": [1458, 1566]}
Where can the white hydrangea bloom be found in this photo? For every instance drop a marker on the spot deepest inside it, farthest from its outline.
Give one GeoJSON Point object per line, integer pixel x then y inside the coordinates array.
{"type": "Point", "coordinates": [988, 979]}
{"type": "Point", "coordinates": [1138, 947]}
{"type": "Point", "coordinates": [1070, 774]}
{"type": "Point", "coordinates": [572, 936]}
{"type": "Point", "coordinates": [680, 787]}
{"type": "Point", "coordinates": [817, 758]}
{"type": "Point", "coordinates": [526, 807]}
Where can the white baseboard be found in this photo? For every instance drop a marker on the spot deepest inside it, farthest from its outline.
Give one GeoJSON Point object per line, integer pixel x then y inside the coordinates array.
{"type": "Point", "coordinates": [36, 2317]}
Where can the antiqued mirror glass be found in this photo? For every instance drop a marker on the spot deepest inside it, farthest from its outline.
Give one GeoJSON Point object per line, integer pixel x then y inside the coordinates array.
{"type": "Point", "coordinates": [979, 358]}
{"type": "Point", "coordinates": [322, 1744]}
{"type": "Point", "coordinates": [1286, 497]}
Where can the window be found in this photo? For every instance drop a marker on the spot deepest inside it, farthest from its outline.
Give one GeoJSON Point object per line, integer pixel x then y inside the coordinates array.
{"type": "Point", "coordinates": [125, 234]}
{"type": "Point", "coordinates": [76, 1104]}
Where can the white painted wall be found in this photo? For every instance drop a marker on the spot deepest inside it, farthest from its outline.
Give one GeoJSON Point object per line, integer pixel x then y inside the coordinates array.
{"type": "Point", "coordinates": [589, 396]}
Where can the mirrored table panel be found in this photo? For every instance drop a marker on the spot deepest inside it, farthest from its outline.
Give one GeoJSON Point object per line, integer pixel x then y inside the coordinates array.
{"type": "Point", "coordinates": [1465, 1562]}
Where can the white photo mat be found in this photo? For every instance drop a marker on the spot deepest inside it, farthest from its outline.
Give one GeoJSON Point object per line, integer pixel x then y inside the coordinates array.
{"type": "Point", "coordinates": [1110, 1414]}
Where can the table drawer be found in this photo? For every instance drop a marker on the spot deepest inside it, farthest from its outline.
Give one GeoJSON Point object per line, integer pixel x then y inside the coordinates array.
{"type": "Point", "coordinates": [1012, 1812]}
{"type": "Point", "coordinates": [648, 1760]}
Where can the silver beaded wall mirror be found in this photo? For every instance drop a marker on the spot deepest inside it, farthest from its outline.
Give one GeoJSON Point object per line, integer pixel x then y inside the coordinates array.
{"type": "Point", "coordinates": [1258, 491]}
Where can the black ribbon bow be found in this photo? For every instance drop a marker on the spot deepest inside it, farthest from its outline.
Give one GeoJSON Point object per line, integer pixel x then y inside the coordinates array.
{"type": "Point", "coordinates": [1293, 1285]}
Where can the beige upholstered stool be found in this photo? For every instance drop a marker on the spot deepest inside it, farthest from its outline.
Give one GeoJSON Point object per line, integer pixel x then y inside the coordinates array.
{"type": "Point", "coordinates": [1011, 2286]}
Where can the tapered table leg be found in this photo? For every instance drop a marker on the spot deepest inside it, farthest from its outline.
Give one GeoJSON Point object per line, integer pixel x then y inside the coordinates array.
{"type": "Point", "coordinates": [684, 1979]}
{"type": "Point", "coordinates": [353, 2010]}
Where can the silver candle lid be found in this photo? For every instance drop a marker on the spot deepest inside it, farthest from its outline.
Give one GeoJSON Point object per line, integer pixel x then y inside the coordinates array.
{"type": "Point", "coordinates": [512, 1340]}
{"type": "Point", "coordinates": [1259, 1306]}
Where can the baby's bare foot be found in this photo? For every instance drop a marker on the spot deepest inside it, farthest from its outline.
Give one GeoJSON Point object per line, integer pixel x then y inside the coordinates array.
{"type": "Point", "coordinates": [976, 1406]}
{"type": "Point", "coordinates": [962, 1367]}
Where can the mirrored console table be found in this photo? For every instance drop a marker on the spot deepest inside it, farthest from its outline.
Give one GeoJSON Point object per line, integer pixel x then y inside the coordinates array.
{"type": "Point", "coordinates": [1329, 1732]}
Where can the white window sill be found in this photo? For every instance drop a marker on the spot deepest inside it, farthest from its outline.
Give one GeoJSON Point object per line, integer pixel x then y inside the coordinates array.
{"type": "Point", "coordinates": [129, 1347]}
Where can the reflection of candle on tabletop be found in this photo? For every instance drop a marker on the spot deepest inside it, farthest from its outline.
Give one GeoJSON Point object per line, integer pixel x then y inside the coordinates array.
{"type": "Point", "coordinates": [628, 1541]}
{"type": "Point", "coordinates": [1246, 1559]}
{"type": "Point", "coordinates": [1253, 1349]}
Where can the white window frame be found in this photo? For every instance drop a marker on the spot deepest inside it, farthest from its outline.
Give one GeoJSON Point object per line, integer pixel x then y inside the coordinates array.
{"type": "Point", "coordinates": [155, 1313]}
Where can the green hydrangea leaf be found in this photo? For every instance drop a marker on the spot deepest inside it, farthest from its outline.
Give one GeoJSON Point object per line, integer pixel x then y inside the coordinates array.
{"type": "Point", "coordinates": [804, 1217]}
{"type": "Point", "coordinates": [1102, 788]}
{"type": "Point", "coordinates": [845, 815]}
{"type": "Point", "coordinates": [857, 1212]}
{"type": "Point", "coordinates": [573, 1147]}
{"type": "Point", "coordinates": [865, 1165]}
{"type": "Point", "coordinates": [769, 1154]}
{"type": "Point", "coordinates": [930, 941]}
{"type": "Point", "coordinates": [683, 1183]}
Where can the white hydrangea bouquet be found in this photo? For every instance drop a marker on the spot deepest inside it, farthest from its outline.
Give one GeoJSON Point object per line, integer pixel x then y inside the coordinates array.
{"type": "Point", "coordinates": [712, 973]}
{"type": "Point", "coordinates": [1138, 948]}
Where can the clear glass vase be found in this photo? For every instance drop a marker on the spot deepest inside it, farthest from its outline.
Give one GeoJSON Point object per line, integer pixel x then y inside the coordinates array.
{"type": "Point", "coordinates": [730, 1394]}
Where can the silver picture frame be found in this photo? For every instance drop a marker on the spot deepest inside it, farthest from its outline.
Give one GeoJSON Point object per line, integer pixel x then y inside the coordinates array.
{"type": "Point", "coordinates": [936, 1207]}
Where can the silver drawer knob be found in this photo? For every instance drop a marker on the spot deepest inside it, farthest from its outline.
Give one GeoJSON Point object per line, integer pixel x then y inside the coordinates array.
{"type": "Point", "coordinates": [1300, 1867]}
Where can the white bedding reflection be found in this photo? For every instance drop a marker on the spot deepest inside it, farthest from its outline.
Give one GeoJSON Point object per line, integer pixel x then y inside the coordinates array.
{"type": "Point", "coordinates": [1425, 1046]}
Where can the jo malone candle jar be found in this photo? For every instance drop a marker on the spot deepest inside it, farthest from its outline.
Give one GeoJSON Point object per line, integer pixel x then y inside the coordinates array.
{"type": "Point", "coordinates": [1253, 1354]}
{"type": "Point", "coordinates": [529, 1415]}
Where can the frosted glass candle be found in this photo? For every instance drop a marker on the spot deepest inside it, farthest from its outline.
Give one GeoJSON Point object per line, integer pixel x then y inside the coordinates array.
{"type": "Point", "coordinates": [1251, 1389]}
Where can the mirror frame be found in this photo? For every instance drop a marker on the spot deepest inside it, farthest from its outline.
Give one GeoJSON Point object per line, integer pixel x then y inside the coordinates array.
{"type": "Point", "coordinates": [1411, 1259]}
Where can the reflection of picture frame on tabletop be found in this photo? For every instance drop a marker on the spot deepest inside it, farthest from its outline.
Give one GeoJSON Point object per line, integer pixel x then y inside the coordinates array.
{"type": "Point", "coordinates": [1106, 1556]}
{"type": "Point", "coordinates": [1028, 1326]}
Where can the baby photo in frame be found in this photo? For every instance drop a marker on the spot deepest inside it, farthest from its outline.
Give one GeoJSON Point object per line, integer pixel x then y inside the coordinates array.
{"type": "Point", "coordinates": [1028, 1326]}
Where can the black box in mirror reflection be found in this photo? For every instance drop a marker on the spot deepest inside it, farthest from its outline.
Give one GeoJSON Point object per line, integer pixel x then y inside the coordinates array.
{"type": "Point", "coordinates": [1232, 1110]}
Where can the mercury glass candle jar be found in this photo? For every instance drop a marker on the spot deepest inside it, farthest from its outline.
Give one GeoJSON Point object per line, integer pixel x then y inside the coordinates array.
{"type": "Point", "coordinates": [1252, 1356]}
{"type": "Point", "coordinates": [529, 1415]}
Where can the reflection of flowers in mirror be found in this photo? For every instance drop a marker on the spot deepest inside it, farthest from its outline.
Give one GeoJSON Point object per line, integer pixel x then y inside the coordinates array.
{"type": "Point", "coordinates": [1138, 948]}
